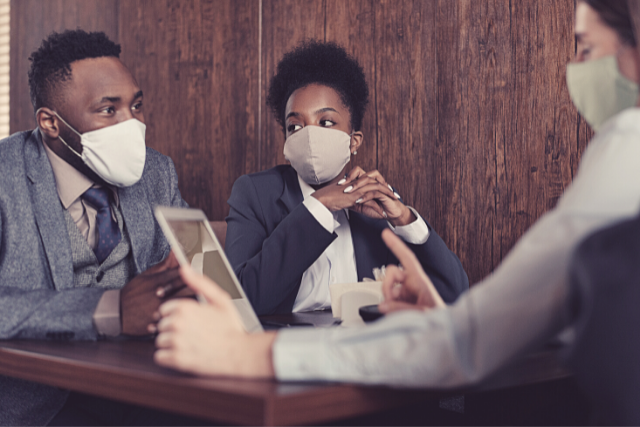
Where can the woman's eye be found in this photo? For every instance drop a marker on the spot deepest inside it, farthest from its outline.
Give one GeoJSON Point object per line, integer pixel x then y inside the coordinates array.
{"type": "Point", "coordinates": [108, 110]}
{"type": "Point", "coordinates": [137, 106]}
{"type": "Point", "coordinates": [327, 123]}
{"type": "Point", "coordinates": [293, 128]}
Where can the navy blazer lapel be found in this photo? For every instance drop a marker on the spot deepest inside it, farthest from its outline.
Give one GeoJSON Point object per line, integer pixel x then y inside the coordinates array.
{"type": "Point", "coordinates": [138, 218]}
{"type": "Point", "coordinates": [291, 194]}
{"type": "Point", "coordinates": [48, 212]}
{"type": "Point", "coordinates": [368, 246]}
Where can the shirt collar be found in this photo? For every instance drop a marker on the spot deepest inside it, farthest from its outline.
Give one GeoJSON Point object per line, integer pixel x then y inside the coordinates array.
{"type": "Point", "coordinates": [308, 190]}
{"type": "Point", "coordinates": [70, 183]}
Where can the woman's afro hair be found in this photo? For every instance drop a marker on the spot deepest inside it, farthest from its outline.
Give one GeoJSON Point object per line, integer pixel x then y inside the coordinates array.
{"type": "Point", "coordinates": [51, 63]}
{"type": "Point", "coordinates": [322, 63]}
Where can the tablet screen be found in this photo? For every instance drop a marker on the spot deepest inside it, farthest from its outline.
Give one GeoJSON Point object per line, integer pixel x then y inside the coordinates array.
{"type": "Point", "coordinates": [203, 253]}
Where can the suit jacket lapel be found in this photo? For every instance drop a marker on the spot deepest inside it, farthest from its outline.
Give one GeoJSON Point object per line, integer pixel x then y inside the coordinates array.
{"type": "Point", "coordinates": [291, 194]}
{"type": "Point", "coordinates": [48, 212]}
{"type": "Point", "coordinates": [138, 217]}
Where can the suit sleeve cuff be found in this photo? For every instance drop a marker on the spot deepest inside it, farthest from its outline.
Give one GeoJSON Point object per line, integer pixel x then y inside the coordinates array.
{"type": "Point", "coordinates": [415, 233]}
{"type": "Point", "coordinates": [106, 317]}
{"type": "Point", "coordinates": [321, 213]}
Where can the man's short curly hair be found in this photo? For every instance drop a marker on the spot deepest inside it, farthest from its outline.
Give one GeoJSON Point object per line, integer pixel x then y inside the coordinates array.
{"type": "Point", "coordinates": [51, 63]}
{"type": "Point", "coordinates": [323, 63]}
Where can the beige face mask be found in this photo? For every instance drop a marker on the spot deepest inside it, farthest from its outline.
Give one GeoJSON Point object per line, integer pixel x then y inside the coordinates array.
{"type": "Point", "coordinates": [318, 154]}
{"type": "Point", "coordinates": [599, 91]}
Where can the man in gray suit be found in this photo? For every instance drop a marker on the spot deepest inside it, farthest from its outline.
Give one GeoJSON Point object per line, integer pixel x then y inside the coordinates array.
{"type": "Point", "coordinates": [81, 255]}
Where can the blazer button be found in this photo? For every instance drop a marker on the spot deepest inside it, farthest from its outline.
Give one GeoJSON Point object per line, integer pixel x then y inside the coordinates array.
{"type": "Point", "coordinates": [100, 276]}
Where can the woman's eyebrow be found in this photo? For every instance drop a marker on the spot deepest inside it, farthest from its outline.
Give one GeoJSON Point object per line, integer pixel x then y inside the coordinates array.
{"type": "Point", "coordinates": [325, 109]}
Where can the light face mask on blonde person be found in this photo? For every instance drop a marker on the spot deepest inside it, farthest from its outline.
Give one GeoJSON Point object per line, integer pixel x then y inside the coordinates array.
{"type": "Point", "coordinates": [115, 153]}
{"type": "Point", "coordinates": [599, 91]}
{"type": "Point", "coordinates": [318, 154]}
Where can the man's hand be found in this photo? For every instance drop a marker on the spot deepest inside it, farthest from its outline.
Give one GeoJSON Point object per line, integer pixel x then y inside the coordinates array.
{"type": "Point", "coordinates": [141, 297]}
{"type": "Point", "coordinates": [209, 339]}
{"type": "Point", "coordinates": [408, 288]}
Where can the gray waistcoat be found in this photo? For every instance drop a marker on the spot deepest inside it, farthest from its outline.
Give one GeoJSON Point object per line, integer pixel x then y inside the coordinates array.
{"type": "Point", "coordinates": [114, 272]}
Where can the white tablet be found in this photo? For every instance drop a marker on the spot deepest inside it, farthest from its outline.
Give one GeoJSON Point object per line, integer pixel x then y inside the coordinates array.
{"type": "Point", "coordinates": [194, 243]}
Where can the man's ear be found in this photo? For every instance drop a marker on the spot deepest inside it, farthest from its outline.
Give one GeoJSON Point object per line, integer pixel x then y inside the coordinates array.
{"type": "Point", "coordinates": [48, 122]}
{"type": "Point", "coordinates": [357, 138]}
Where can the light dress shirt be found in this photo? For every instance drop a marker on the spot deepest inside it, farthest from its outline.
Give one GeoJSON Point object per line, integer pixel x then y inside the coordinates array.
{"type": "Point", "coordinates": [71, 185]}
{"type": "Point", "coordinates": [522, 304]}
{"type": "Point", "coordinates": [337, 264]}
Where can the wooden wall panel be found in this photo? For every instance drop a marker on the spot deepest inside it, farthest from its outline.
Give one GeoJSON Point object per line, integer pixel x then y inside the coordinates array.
{"type": "Point", "coordinates": [197, 62]}
{"type": "Point", "coordinates": [473, 124]}
{"type": "Point", "coordinates": [406, 100]}
{"type": "Point", "coordinates": [32, 21]}
{"type": "Point", "coordinates": [539, 155]}
{"type": "Point", "coordinates": [469, 116]}
{"type": "Point", "coordinates": [285, 23]}
{"type": "Point", "coordinates": [350, 23]}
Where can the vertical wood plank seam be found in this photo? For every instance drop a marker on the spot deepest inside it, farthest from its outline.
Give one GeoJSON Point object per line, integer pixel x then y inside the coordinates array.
{"type": "Point", "coordinates": [117, 15]}
{"type": "Point", "coordinates": [374, 14]}
{"type": "Point", "coordinates": [578, 121]}
{"type": "Point", "coordinates": [324, 8]}
{"type": "Point", "coordinates": [259, 87]}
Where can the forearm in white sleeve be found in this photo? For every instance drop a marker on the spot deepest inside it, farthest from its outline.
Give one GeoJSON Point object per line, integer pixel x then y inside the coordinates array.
{"type": "Point", "coordinates": [522, 304]}
{"type": "Point", "coordinates": [321, 214]}
{"type": "Point", "coordinates": [415, 233]}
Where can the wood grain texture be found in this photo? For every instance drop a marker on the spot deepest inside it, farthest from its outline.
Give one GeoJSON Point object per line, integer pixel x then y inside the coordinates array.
{"type": "Point", "coordinates": [198, 62]}
{"type": "Point", "coordinates": [31, 22]}
{"type": "Point", "coordinates": [350, 23]}
{"type": "Point", "coordinates": [469, 115]}
{"type": "Point", "coordinates": [285, 23]}
{"type": "Point", "coordinates": [125, 371]}
{"type": "Point", "coordinates": [405, 99]}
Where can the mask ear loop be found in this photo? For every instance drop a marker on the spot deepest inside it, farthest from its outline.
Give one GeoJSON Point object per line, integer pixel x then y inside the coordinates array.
{"type": "Point", "coordinates": [60, 137]}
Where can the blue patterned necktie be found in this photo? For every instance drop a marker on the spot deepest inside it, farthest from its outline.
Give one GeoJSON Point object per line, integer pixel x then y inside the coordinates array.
{"type": "Point", "coordinates": [108, 231]}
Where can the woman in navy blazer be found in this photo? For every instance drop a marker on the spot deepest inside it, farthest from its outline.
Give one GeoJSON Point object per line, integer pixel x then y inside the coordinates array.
{"type": "Point", "coordinates": [294, 229]}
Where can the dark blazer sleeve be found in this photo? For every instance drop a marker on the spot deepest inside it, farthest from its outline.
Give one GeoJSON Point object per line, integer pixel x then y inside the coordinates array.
{"type": "Point", "coordinates": [269, 248]}
{"type": "Point", "coordinates": [442, 266]}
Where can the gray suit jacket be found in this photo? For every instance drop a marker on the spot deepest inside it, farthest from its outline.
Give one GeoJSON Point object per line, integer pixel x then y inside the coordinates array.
{"type": "Point", "coordinates": [37, 295]}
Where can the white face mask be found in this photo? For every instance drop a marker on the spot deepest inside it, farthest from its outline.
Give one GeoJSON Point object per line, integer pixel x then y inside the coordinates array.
{"type": "Point", "coordinates": [599, 91]}
{"type": "Point", "coordinates": [115, 153]}
{"type": "Point", "coordinates": [318, 154]}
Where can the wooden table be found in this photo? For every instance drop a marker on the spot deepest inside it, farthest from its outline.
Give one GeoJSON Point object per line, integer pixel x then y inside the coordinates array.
{"type": "Point", "coordinates": [124, 370]}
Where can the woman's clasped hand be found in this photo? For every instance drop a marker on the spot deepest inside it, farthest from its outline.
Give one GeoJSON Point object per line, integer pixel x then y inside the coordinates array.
{"type": "Point", "coordinates": [367, 193]}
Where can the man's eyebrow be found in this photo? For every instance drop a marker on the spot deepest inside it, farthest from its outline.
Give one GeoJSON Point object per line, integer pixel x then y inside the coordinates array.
{"type": "Point", "coordinates": [113, 99]}
{"type": "Point", "coordinates": [292, 114]}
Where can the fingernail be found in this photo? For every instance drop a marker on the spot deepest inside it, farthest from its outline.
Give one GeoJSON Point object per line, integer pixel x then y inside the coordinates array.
{"type": "Point", "coordinates": [152, 329]}
{"type": "Point", "coordinates": [342, 181]}
{"type": "Point", "coordinates": [390, 187]}
{"type": "Point", "coordinates": [359, 200]}
{"type": "Point", "coordinates": [160, 292]}
{"type": "Point", "coordinates": [349, 188]}
{"type": "Point", "coordinates": [384, 214]}
{"type": "Point", "coordinates": [397, 195]}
